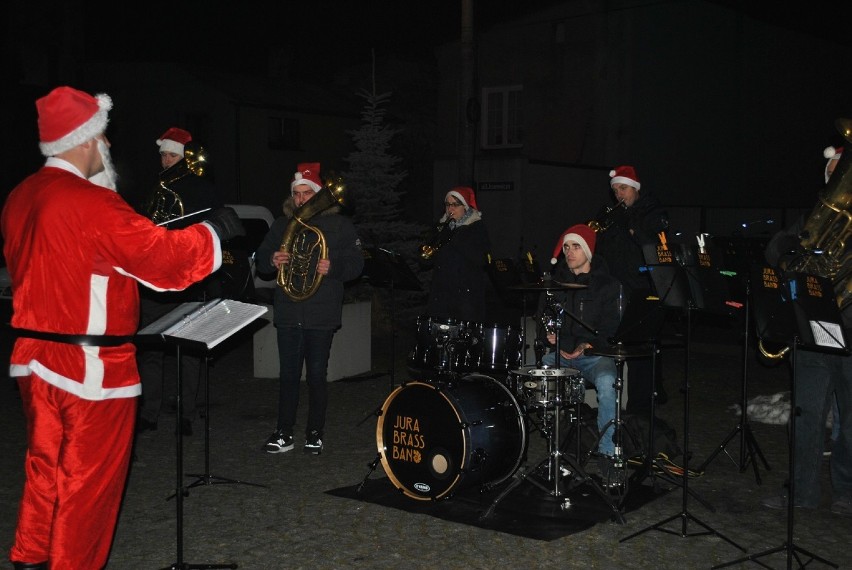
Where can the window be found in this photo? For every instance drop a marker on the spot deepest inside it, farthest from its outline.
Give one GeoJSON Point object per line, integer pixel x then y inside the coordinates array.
{"type": "Point", "coordinates": [503, 113]}
{"type": "Point", "coordinates": [283, 133]}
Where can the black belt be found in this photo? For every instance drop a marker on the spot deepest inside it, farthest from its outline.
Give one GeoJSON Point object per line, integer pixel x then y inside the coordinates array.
{"type": "Point", "coordinates": [79, 339]}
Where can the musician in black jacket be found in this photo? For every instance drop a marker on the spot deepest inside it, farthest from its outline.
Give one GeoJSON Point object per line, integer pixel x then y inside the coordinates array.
{"type": "Point", "coordinates": [306, 326]}
{"type": "Point", "coordinates": [460, 262]}
{"type": "Point", "coordinates": [180, 191]}
{"type": "Point", "coordinates": [637, 222]}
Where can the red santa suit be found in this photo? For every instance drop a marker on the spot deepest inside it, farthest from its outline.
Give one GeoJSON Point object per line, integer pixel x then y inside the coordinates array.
{"type": "Point", "coordinates": [76, 252]}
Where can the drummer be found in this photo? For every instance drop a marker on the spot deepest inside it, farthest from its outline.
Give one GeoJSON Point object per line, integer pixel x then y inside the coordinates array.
{"type": "Point", "coordinates": [587, 317]}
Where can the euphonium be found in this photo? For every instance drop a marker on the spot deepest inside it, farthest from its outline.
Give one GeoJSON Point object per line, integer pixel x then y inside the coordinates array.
{"type": "Point", "coordinates": [825, 237]}
{"type": "Point", "coordinates": [606, 219]}
{"type": "Point", "coordinates": [165, 204]}
{"type": "Point", "coordinates": [306, 244]}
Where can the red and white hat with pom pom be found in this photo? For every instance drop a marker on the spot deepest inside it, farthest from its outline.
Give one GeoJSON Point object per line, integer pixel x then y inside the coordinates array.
{"type": "Point", "coordinates": [580, 233]}
{"type": "Point", "coordinates": [309, 175]}
{"type": "Point", "coordinates": [831, 153]}
{"type": "Point", "coordinates": [624, 175]}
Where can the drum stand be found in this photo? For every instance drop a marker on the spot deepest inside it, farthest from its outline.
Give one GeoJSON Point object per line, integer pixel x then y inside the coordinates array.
{"type": "Point", "coordinates": [553, 463]}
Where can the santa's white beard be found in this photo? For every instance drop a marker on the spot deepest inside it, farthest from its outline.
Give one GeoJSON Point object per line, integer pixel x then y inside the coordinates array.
{"type": "Point", "coordinates": [108, 178]}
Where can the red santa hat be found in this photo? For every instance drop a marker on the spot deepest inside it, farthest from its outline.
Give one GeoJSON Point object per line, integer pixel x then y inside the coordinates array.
{"type": "Point", "coordinates": [308, 174]}
{"type": "Point", "coordinates": [624, 175]}
{"type": "Point", "coordinates": [173, 140]}
{"type": "Point", "coordinates": [831, 153]}
{"type": "Point", "coordinates": [580, 233]}
{"type": "Point", "coordinates": [464, 194]}
{"type": "Point", "coordinates": [68, 117]}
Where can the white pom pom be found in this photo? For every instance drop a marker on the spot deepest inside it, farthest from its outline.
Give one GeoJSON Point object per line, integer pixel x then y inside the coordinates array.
{"type": "Point", "coordinates": [611, 173]}
{"type": "Point", "coordinates": [829, 152]}
{"type": "Point", "coordinates": [553, 261]}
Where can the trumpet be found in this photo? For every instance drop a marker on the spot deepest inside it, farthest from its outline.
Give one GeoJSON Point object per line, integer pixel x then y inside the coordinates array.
{"type": "Point", "coordinates": [605, 220]}
{"type": "Point", "coordinates": [438, 237]}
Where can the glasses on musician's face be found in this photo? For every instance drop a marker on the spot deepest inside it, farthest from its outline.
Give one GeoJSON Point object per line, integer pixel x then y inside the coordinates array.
{"type": "Point", "coordinates": [452, 204]}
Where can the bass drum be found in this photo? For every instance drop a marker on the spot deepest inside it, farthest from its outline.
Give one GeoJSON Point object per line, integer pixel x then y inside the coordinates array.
{"type": "Point", "coordinates": [436, 439]}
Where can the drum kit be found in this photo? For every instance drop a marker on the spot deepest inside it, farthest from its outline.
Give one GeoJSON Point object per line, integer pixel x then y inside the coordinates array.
{"type": "Point", "coordinates": [466, 418]}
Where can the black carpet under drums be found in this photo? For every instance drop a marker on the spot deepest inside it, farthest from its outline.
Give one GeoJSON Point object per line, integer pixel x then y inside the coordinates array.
{"type": "Point", "coordinates": [526, 511]}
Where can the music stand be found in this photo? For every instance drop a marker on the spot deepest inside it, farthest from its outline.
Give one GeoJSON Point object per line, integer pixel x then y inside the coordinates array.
{"type": "Point", "coordinates": [801, 307]}
{"type": "Point", "coordinates": [737, 261]}
{"type": "Point", "coordinates": [386, 268]}
{"type": "Point", "coordinates": [207, 478]}
{"type": "Point", "coordinates": [637, 336]}
{"type": "Point", "coordinates": [672, 286]}
{"type": "Point", "coordinates": [199, 326]}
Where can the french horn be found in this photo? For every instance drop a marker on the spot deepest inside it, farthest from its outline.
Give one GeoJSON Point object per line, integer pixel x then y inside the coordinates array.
{"type": "Point", "coordinates": [165, 204]}
{"type": "Point", "coordinates": [306, 244]}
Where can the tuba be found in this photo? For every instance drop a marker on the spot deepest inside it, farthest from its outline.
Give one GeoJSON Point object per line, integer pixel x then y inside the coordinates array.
{"type": "Point", "coordinates": [306, 244]}
{"type": "Point", "coordinates": [165, 204]}
{"type": "Point", "coordinates": [827, 232]}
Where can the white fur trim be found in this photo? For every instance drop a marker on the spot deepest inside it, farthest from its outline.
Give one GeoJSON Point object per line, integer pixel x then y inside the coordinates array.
{"type": "Point", "coordinates": [580, 240]}
{"type": "Point", "coordinates": [168, 145]}
{"type": "Point", "coordinates": [460, 198]}
{"type": "Point", "coordinates": [96, 125]}
{"type": "Point", "coordinates": [623, 180]}
{"type": "Point", "coordinates": [299, 180]}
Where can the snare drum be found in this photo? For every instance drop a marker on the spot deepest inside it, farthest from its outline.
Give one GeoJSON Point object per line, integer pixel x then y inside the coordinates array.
{"type": "Point", "coordinates": [547, 387]}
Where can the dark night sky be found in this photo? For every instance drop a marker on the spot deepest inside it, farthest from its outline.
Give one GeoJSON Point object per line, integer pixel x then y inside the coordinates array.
{"type": "Point", "coordinates": [318, 34]}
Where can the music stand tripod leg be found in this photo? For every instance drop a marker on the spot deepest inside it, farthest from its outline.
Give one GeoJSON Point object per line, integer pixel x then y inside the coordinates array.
{"type": "Point", "coordinates": [788, 546]}
{"type": "Point", "coordinates": [180, 490]}
{"type": "Point", "coordinates": [748, 445]}
{"type": "Point", "coordinates": [684, 515]}
{"type": "Point", "coordinates": [207, 478]}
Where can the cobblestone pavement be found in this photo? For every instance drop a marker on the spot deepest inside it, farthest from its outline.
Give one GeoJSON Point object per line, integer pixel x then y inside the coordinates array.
{"type": "Point", "coordinates": [289, 521]}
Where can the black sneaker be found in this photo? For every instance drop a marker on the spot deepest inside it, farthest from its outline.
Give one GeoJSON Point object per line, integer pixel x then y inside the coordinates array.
{"type": "Point", "coordinates": [279, 443]}
{"type": "Point", "coordinates": [313, 443]}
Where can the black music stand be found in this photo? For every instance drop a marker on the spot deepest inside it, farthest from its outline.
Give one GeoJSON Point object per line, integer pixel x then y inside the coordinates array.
{"type": "Point", "coordinates": [671, 282]}
{"type": "Point", "coordinates": [386, 268]}
{"type": "Point", "coordinates": [207, 478]}
{"type": "Point", "coordinates": [737, 261]}
{"type": "Point", "coordinates": [638, 336]}
{"type": "Point", "coordinates": [801, 308]}
{"type": "Point", "coordinates": [198, 326]}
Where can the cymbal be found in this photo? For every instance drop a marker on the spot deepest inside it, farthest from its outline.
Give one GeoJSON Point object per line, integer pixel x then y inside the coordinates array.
{"type": "Point", "coordinates": [621, 352]}
{"type": "Point", "coordinates": [547, 286]}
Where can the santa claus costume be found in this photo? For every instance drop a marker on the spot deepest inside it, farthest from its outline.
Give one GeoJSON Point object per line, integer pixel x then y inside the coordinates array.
{"type": "Point", "coordinates": [75, 252]}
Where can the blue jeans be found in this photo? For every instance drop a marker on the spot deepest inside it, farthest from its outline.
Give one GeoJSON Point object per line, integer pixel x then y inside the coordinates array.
{"type": "Point", "coordinates": [819, 378]}
{"type": "Point", "coordinates": [297, 347]}
{"type": "Point", "coordinates": [835, 420]}
{"type": "Point", "coordinates": [600, 372]}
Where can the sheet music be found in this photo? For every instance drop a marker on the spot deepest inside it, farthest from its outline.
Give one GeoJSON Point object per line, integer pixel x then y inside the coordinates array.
{"type": "Point", "coordinates": [827, 334]}
{"type": "Point", "coordinates": [208, 323]}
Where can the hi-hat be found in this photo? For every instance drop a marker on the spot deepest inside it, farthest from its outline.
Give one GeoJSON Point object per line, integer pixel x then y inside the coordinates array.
{"type": "Point", "coordinates": [548, 286]}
